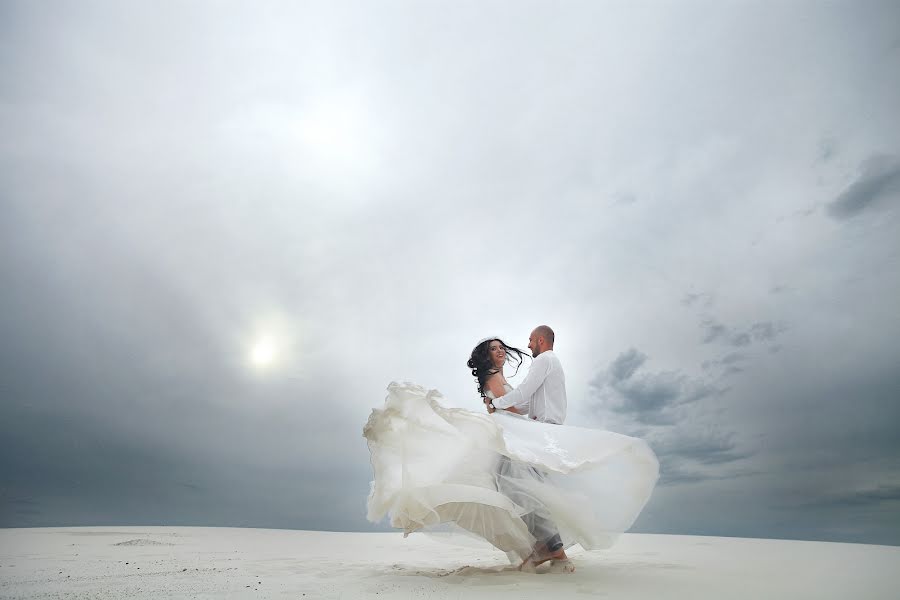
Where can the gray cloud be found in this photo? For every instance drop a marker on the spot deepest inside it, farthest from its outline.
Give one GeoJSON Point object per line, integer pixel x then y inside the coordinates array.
{"type": "Point", "coordinates": [705, 447]}
{"type": "Point", "coordinates": [878, 180]}
{"type": "Point", "coordinates": [701, 298]}
{"type": "Point", "coordinates": [729, 364]}
{"type": "Point", "coordinates": [828, 148]}
{"type": "Point", "coordinates": [873, 496]}
{"type": "Point", "coordinates": [624, 366]}
{"type": "Point", "coordinates": [674, 473]}
{"type": "Point", "coordinates": [649, 398]}
{"type": "Point", "coordinates": [762, 331]}
{"type": "Point", "coordinates": [689, 455]}
{"type": "Point", "coordinates": [740, 339]}
{"type": "Point", "coordinates": [624, 198]}
{"type": "Point", "coordinates": [698, 442]}
{"type": "Point", "coordinates": [766, 331]}
{"type": "Point", "coordinates": [86, 473]}
{"type": "Point", "coordinates": [663, 408]}
{"type": "Point", "coordinates": [733, 357]}
{"type": "Point", "coordinates": [712, 330]}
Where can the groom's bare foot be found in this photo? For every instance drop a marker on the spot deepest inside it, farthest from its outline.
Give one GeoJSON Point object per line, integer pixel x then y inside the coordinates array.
{"type": "Point", "coordinates": [540, 556]}
{"type": "Point", "coordinates": [563, 565]}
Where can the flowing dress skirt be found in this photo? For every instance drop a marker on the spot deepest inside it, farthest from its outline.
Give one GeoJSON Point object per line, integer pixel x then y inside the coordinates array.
{"type": "Point", "coordinates": [510, 480]}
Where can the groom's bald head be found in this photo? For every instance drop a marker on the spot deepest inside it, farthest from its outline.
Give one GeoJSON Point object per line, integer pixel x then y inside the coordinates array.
{"type": "Point", "coordinates": [540, 340]}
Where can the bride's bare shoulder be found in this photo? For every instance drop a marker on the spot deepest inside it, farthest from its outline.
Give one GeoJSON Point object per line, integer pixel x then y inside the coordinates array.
{"type": "Point", "coordinates": [494, 383]}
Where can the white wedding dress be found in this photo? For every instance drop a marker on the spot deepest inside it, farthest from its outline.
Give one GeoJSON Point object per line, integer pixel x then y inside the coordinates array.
{"type": "Point", "coordinates": [502, 477]}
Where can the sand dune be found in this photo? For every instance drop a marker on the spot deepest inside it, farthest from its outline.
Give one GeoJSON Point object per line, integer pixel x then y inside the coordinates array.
{"type": "Point", "coordinates": [199, 562]}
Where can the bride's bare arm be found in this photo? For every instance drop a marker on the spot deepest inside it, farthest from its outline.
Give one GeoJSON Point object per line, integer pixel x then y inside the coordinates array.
{"type": "Point", "coordinates": [495, 385]}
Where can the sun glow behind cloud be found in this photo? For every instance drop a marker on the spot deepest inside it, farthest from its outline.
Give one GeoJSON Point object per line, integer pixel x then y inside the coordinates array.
{"type": "Point", "coordinates": [263, 353]}
{"type": "Point", "coordinates": [269, 344]}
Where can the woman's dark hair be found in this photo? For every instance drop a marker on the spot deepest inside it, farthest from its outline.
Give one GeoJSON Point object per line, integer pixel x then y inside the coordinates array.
{"type": "Point", "coordinates": [482, 366]}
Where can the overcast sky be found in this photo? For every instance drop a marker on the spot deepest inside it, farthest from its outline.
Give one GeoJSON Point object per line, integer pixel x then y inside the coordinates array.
{"type": "Point", "coordinates": [701, 198]}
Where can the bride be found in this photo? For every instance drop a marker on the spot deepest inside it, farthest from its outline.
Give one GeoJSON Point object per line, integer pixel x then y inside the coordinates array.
{"type": "Point", "coordinates": [529, 488]}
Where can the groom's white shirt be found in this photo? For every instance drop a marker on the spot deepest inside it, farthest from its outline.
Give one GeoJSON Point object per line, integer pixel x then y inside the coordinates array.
{"type": "Point", "coordinates": [542, 392]}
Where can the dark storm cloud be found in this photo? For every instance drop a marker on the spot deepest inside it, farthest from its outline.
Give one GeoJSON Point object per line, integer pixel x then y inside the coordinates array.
{"type": "Point", "coordinates": [875, 496]}
{"type": "Point", "coordinates": [673, 475]}
{"type": "Point", "coordinates": [878, 181]}
{"type": "Point", "coordinates": [666, 408]}
{"type": "Point", "coordinates": [626, 364]}
{"type": "Point", "coordinates": [62, 469]}
{"type": "Point", "coordinates": [673, 471]}
{"type": "Point", "coordinates": [691, 456]}
{"type": "Point", "coordinates": [884, 493]}
{"type": "Point", "coordinates": [705, 447]}
{"type": "Point", "coordinates": [649, 398]}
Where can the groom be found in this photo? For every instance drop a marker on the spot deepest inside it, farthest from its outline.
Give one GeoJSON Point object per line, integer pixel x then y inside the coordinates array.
{"type": "Point", "coordinates": [543, 392]}
{"type": "Point", "coordinates": [543, 395]}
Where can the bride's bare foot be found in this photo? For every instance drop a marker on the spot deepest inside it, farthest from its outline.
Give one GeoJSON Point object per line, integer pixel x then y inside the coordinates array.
{"type": "Point", "coordinates": [528, 565]}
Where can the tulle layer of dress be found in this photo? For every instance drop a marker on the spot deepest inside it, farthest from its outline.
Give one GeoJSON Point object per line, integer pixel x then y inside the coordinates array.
{"type": "Point", "coordinates": [515, 482]}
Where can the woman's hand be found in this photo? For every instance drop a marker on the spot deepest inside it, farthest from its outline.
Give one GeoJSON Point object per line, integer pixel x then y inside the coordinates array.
{"type": "Point", "coordinates": [490, 407]}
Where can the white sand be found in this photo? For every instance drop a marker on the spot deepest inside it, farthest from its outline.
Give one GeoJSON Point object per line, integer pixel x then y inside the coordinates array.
{"type": "Point", "coordinates": [198, 562]}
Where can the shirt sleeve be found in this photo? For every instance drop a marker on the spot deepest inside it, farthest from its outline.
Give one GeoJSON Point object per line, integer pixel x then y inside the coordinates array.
{"type": "Point", "coordinates": [521, 396]}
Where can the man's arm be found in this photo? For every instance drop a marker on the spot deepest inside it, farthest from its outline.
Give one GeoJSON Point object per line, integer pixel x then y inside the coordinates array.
{"type": "Point", "coordinates": [521, 396]}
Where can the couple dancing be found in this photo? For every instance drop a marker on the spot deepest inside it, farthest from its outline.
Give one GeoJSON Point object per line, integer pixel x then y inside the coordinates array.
{"type": "Point", "coordinates": [516, 477]}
